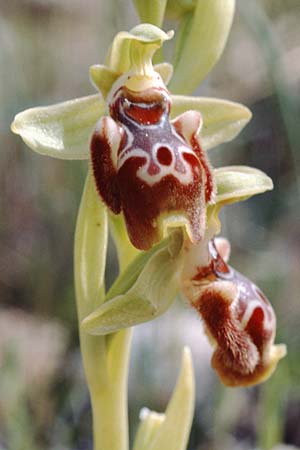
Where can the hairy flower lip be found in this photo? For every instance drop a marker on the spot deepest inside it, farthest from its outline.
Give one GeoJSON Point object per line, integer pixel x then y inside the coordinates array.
{"type": "Point", "coordinates": [238, 318]}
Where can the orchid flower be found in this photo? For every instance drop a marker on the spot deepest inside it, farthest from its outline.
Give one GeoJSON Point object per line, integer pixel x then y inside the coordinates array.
{"type": "Point", "coordinates": [151, 181]}
{"type": "Point", "coordinates": [238, 318]}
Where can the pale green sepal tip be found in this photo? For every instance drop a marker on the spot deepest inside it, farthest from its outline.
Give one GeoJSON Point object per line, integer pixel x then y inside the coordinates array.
{"type": "Point", "coordinates": [223, 120]}
{"type": "Point", "coordinates": [62, 130]}
{"type": "Point", "coordinates": [144, 291]}
{"type": "Point", "coordinates": [151, 11]}
{"type": "Point", "coordinates": [103, 78]}
{"type": "Point", "coordinates": [173, 434]}
{"type": "Point", "coordinates": [235, 183]}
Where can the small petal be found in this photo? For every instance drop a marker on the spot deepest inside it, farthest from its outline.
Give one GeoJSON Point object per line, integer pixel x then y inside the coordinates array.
{"type": "Point", "coordinates": [235, 183]}
{"type": "Point", "coordinates": [103, 78]}
{"type": "Point", "coordinates": [201, 43]}
{"type": "Point", "coordinates": [222, 120]}
{"type": "Point", "coordinates": [144, 291]}
{"type": "Point", "coordinates": [62, 130]}
{"type": "Point", "coordinates": [151, 12]}
{"type": "Point", "coordinates": [165, 70]}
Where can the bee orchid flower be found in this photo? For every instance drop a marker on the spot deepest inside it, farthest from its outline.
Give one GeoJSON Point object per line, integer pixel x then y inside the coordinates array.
{"type": "Point", "coordinates": [238, 318]}
{"type": "Point", "coordinates": [147, 147]}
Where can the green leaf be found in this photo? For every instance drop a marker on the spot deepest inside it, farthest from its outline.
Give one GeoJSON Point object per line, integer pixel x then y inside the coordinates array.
{"type": "Point", "coordinates": [142, 292]}
{"type": "Point", "coordinates": [173, 431]}
{"type": "Point", "coordinates": [222, 119]}
{"type": "Point", "coordinates": [62, 130]}
{"type": "Point", "coordinates": [202, 43]}
{"type": "Point", "coordinates": [151, 12]}
{"type": "Point", "coordinates": [235, 183]}
{"type": "Point", "coordinates": [145, 39]}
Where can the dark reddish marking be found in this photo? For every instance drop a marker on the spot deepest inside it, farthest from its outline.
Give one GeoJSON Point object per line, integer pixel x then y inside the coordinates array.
{"type": "Point", "coordinates": [146, 108]}
{"type": "Point", "coordinates": [235, 348]}
{"type": "Point", "coordinates": [149, 115]}
{"type": "Point", "coordinates": [164, 156]}
{"type": "Point", "coordinates": [193, 162]}
{"type": "Point", "coordinates": [205, 272]}
{"type": "Point", "coordinates": [256, 328]}
{"type": "Point", "coordinates": [153, 168]}
{"type": "Point", "coordinates": [104, 172]}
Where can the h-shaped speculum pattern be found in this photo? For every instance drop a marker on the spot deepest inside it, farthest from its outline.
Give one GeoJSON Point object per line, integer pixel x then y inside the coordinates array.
{"type": "Point", "coordinates": [151, 168]}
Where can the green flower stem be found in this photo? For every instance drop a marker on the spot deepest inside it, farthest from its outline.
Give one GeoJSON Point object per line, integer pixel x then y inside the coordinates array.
{"type": "Point", "coordinates": [105, 359]}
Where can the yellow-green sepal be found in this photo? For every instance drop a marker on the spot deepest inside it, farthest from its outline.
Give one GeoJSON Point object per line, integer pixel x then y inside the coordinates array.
{"type": "Point", "coordinates": [236, 183]}
{"type": "Point", "coordinates": [136, 47]}
{"type": "Point", "coordinates": [202, 40]}
{"type": "Point", "coordinates": [143, 291]}
{"type": "Point", "coordinates": [222, 120]}
{"type": "Point", "coordinates": [170, 431]}
{"type": "Point", "coordinates": [62, 130]}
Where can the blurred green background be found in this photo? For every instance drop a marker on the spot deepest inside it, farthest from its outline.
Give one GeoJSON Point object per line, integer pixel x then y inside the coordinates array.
{"type": "Point", "coordinates": [46, 47]}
